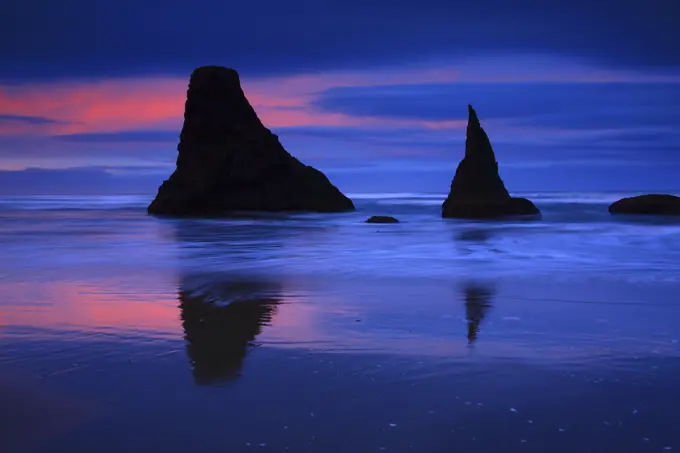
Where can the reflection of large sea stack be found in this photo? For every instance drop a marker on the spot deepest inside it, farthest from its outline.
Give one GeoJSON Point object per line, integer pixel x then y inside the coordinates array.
{"type": "Point", "coordinates": [220, 324]}
{"type": "Point", "coordinates": [477, 190]}
{"type": "Point", "coordinates": [228, 161]}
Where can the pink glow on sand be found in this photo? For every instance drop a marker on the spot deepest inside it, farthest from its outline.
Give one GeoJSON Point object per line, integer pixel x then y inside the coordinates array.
{"type": "Point", "coordinates": [87, 307]}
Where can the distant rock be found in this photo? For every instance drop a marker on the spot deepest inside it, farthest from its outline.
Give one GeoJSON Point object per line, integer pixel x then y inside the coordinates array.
{"type": "Point", "coordinates": [477, 190]}
{"type": "Point", "coordinates": [652, 204]}
{"type": "Point", "coordinates": [228, 161]}
{"type": "Point", "coordinates": [381, 219]}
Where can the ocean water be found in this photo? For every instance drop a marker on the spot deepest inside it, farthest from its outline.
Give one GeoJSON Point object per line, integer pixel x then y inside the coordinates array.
{"type": "Point", "coordinates": [121, 332]}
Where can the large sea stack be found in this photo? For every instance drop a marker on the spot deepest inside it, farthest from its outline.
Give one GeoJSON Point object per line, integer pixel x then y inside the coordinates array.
{"type": "Point", "coordinates": [228, 161]}
{"type": "Point", "coordinates": [477, 190]}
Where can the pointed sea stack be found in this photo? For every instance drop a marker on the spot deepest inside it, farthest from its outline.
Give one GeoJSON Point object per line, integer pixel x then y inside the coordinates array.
{"type": "Point", "coordinates": [477, 190]}
{"type": "Point", "coordinates": [228, 161]}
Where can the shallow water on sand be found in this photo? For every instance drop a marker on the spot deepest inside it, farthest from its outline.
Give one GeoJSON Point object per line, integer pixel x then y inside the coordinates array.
{"type": "Point", "coordinates": [319, 333]}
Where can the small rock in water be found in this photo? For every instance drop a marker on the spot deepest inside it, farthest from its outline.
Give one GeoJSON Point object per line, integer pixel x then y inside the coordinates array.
{"type": "Point", "coordinates": [606, 423]}
{"type": "Point", "coordinates": [263, 445]}
{"type": "Point", "coordinates": [512, 409]}
{"type": "Point", "coordinates": [659, 204]}
{"type": "Point", "coordinates": [646, 439]}
{"type": "Point", "coordinates": [381, 219]}
{"type": "Point", "coordinates": [667, 448]}
{"type": "Point", "coordinates": [560, 430]}
{"type": "Point", "coordinates": [393, 425]}
{"type": "Point", "coordinates": [530, 421]}
{"type": "Point", "coordinates": [523, 441]}
{"type": "Point", "coordinates": [635, 411]}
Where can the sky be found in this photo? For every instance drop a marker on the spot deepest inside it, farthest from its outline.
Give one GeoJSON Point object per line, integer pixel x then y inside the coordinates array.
{"type": "Point", "coordinates": [575, 95]}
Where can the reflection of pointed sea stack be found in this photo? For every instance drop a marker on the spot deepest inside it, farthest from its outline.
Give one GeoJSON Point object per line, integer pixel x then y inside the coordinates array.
{"type": "Point", "coordinates": [477, 304]}
{"type": "Point", "coordinates": [477, 190]}
{"type": "Point", "coordinates": [228, 161]}
{"type": "Point", "coordinates": [219, 336]}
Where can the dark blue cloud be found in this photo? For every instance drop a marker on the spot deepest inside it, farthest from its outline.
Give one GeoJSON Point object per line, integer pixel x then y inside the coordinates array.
{"type": "Point", "coordinates": [389, 137]}
{"type": "Point", "coordinates": [415, 146]}
{"type": "Point", "coordinates": [536, 123]}
{"type": "Point", "coordinates": [560, 105]}
{"type": "Point", "coordinates": [133, 136]}
{"type": "Point", "coordinates": [49, 152]}
{"type": "Point", "coordinates": [81, 180]}
{"type": "Point", "coordinates": [4, 119]}
{"type": "Point", "coordinates": [47, 38]}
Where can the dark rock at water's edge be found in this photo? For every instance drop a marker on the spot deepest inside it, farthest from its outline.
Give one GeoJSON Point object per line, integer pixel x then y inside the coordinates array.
{"type": "Point", "coordinates": [228, 161]}
{"type": "Point", "coordinates": [381, 219]}
{"type": "Point", "coordinates": [652, 204]}
{"type": "Point", "coordinates": [477, 190]}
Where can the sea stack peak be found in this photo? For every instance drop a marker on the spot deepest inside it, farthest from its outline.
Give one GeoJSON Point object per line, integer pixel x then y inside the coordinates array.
{"type": "Point", "coordinates": [212, 69]}
{"type": "Point", "coordinates": [210, 77]}
{"type": "Point", "coordinates": [472, 116]}
{"type": "Point", "coordinates": [213, 76]}
{"type": "Point", "coordinates": [477, 144]}
{"type": "Point", "coordinates": [477, 190]}
{"type": "Point", "coordinates": [229, 161]}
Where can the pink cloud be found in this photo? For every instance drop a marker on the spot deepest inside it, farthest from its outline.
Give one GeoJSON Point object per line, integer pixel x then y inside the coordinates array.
{"type": "Point", "coordinates": [104, 106]}
{"type": "Point", "coordinates": [116, 105]}
{"type": "Point", "coordinates": [157, 103]}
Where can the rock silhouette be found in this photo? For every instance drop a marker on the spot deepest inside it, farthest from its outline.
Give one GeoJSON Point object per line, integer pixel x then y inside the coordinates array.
{"type": "Point", "coordinates": [381, 219]}
{"type": "Point", "coordinates": [229, 161]}
{"type": "Point", "coordinates": [477, 190]}
{"type": "Point", "coordinates": [652, 204]}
